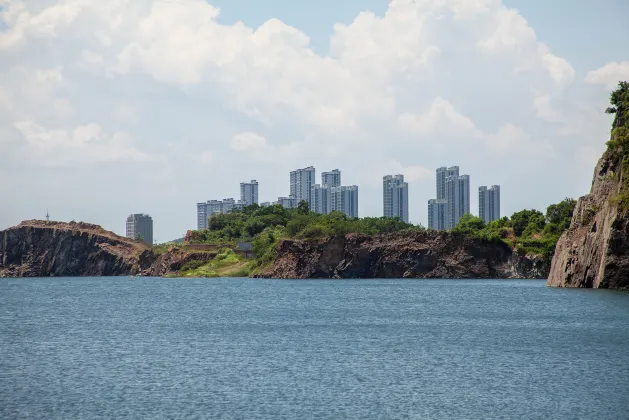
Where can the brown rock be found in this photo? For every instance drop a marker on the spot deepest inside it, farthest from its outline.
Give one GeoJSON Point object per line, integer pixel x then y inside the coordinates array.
{"type": "Point", "coordinates": [38, 248]}
{"type": "Point", "coordinates": [594, 251]}
{"type": "Point", "coordinates": [401, 255]}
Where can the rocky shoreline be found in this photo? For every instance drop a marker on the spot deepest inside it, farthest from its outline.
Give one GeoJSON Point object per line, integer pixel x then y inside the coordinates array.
{"type": "Point", "coordinates": [41, 249]}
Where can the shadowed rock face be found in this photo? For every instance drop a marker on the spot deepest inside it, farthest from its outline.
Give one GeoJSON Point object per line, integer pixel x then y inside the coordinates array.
{"type": "Point", "coordinates": [594, 251]}
{"type": "Point", "coordinates": [401, 255]}
{"type": "Point", "coordinates": [37, 248]}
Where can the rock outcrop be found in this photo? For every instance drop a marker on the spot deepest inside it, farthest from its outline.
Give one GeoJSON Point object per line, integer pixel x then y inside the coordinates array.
{"type": "Point", "coordinates": [38, 248]}
{"type": "Point", "coordinates": [594, 251]}
{"type": "Point", "coordinates": [401, 255]}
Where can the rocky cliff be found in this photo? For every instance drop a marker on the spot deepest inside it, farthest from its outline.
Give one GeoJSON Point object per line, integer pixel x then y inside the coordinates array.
{"type": "Point", "coordinates": [38, 248]}
{"type": "Point", "coordinates": [594, 251]}
{"type": "Point", "coordinates": [401, 255]}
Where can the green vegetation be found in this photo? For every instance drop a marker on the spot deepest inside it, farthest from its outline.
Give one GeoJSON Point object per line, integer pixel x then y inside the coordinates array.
{"type": "Point", "coordinates": [618, 145]}
{"type": "Point", "coordinates": [265, 226]}
{"type": "Point", "coordinates": [225, 264]}
{"type": "Point", "coordinates": [528, 231]}
{"type": "Point", "coordinates": [257, 224]}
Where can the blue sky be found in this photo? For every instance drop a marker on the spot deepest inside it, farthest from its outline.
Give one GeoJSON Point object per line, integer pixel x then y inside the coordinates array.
{"type": "Point", "coordinates": [112, 108]}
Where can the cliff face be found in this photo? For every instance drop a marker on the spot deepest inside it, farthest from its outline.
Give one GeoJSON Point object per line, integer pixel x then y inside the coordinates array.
{"type": "Point", "coordinates": [594, 251]}
{"type": "Point", "coordinates": [401, 255]}
{"type": "Point", "coordinates": [41, 249]}
{"type": "Point", "coordinates": [37, 248]}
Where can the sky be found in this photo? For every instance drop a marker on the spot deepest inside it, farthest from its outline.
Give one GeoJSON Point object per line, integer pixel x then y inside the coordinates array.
{"type": "Point", "coordinates": [150, 106]}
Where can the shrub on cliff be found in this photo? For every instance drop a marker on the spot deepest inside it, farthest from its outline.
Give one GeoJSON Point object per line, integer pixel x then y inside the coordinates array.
{"type": "Point", "coordinates": [618, 145]}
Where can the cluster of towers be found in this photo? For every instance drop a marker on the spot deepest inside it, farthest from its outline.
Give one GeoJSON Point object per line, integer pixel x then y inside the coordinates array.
{"type": "Point", "coordinates": [453, 200]}
{"type": "Point", "coordinates": [322, 198]}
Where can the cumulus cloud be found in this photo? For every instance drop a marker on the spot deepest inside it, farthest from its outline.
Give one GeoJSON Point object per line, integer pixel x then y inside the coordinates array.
{"type": "Point", "coordinates": [162, 82]}
{"type": "Point", "coordinates": [440, 118]}
{"type": "Point", "coordinates": [85, 144]}
{"type": "Point", "coordinates": [609, 75]}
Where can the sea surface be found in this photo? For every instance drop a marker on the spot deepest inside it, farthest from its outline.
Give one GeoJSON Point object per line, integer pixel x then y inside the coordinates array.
{"type": "Point", "coordinates": [152, 348]}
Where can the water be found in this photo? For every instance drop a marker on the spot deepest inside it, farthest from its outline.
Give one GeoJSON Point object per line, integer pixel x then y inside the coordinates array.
{"type": "Point", "coordinates": [147, 348]}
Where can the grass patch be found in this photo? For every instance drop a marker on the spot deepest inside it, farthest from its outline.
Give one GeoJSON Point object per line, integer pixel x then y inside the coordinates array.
{"type": "Point", "coordinates": [226, 264]}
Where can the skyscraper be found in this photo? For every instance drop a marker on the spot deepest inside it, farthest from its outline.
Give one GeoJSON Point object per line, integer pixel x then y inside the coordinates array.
{"type": "Point", "coordinates": [437, 214]}
{"type": "Point", "coordinates": [345, 200]}
{"type": "Point", "coordinates": [395, 197]}
{"type": "Point", "coordinates": [249, 192]}
{"type": "Point", "coordinates": [321, 201]}
{"type": "Point", "coordinates": [442, 174]}
{"type": "Point", "coordinates": [458, 197]}
{"type": "Point", "coordinates": [202, 216]}
{"type": "Point", "coordinates": [140, 226]}
{"type": "Point", "coordinates": [453, 199]}
{"type": "Point", "coordinates": [301, 182]}
{"type": "Point", "coordinates": [489, 203]}
{"type": "Point", "coordinates": [332, 178]}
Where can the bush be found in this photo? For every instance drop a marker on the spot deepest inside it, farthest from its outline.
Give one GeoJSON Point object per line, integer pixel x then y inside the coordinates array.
{"type": "Point", "coordinates": [315, 231]}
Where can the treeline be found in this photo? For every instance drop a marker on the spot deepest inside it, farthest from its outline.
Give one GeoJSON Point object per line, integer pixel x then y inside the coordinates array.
{"type": "Point", "coordinates": [298, 223]}
{"type": "Point", "coordinates": [527, 231]}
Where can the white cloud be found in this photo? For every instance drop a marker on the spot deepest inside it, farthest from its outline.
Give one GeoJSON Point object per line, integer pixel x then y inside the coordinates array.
{"type": "Point", "coordinates": [248, 142]}
{"type": "Point", "coordinates": [441, 117]}
{"type": "Point", "coordinates": [609, 75]}
{"type": "Point", "coordinates": [545, 110]}
{"type": "Point", "coordinates": [85, 144]}
{"type": "Point", "coordinates": [428, 83]}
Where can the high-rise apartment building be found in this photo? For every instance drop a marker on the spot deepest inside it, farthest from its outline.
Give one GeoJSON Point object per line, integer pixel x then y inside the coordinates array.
{"type": "Point", "coordinates": [249, 192]}
{"type": "Point", "coordinates": [345, 200]}
{"type": "Point", "coordinates": [301, 182]}
{"type": "Point", "coordinates": [287, 202]}
{"type": "Point", "coordinates": [395, 197]}
{"type": "Point", "coordinates": [458, 196]}
{"type": "Point", "coordinates": [140, 226]}
{"type": "Point", "coordinates": [442, 174]}
{"type": "Point", "coordinates": [321, 201]}
{"type": "Point", "coordinates": [437, 210]}
{"type": "Point", "coordinates": [202, 216]}
{"type": "Point", "coordinates": [212, 207]}
{"type": "Point", "coordinates": [489, 203]}
{"type": "Point", "coordinates": [453, 199]}
{"type": "Point", "coordinates": [332, 178]}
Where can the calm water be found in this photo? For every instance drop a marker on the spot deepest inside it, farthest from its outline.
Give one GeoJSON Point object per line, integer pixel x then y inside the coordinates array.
{"type": "Point", "coordinates": [129, 348]}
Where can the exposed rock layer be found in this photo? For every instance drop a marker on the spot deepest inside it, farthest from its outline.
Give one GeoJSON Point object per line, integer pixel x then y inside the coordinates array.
{"type": "Point", "coordinates": [594, 251]}
{"type": "Point", "coordinates": [401, 255]}
{"type": "Point", "coordinates": [37, 248]}
{"type": "Point", "coordinates": [40, 249]}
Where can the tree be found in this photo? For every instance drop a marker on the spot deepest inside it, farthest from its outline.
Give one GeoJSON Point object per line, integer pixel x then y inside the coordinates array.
{"type": "Point", "coordinates": [531, 219]}
{"type": "Point", "coordinates": [139, 238]}
{"type": "Point", "coordinates": [561, 214]}
{"type": "Point", "coordinates": [303, 207]}
{"type": "Point", "coordinates": [620, 101]}
{"type": "Point", "coordinates": [469, 224]}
